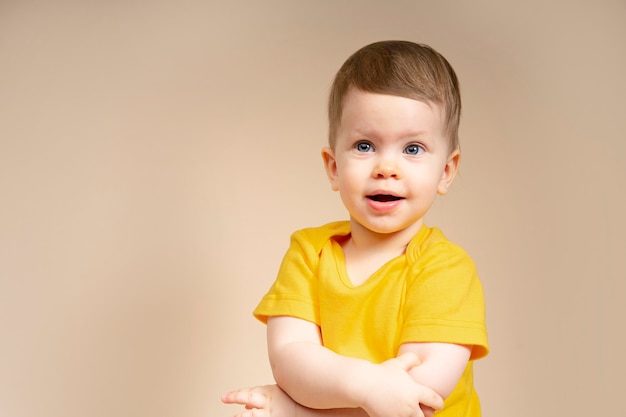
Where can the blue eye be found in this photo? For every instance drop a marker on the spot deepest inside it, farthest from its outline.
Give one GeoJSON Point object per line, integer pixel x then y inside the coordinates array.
{"type": "Point", "coordinates": [363, 147]}
{"type": "Point", "coordinates": [413, 149]}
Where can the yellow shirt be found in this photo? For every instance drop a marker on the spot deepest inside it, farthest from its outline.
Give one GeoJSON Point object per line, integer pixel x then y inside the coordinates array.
{"type": "Point", "coordinates": [429, 294]}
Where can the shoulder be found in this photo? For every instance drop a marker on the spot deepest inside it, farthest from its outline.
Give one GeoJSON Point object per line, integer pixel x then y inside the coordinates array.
{"type": "Point", "coordinates": [431, 248]}
{"type": "Point", "coordinates": [314, 238]}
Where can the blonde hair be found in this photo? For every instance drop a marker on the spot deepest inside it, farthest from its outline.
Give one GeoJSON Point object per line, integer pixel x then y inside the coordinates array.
{"type": "Point", "coordinates": [399, 68]}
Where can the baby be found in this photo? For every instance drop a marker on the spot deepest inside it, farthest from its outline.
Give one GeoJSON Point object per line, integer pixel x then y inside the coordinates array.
{"type": "Point", "coordinates": [379, 315]}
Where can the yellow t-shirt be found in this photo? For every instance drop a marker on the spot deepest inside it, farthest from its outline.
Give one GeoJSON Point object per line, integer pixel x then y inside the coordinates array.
{"type": "Point", "coordinates": [430, 294]}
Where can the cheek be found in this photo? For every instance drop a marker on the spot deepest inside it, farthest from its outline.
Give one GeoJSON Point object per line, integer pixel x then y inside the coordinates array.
{"type": "Point", "coordinates": [344, 183]}
{"type": "Point", "coordinates": [425, 181]}
{"type": "Point", "coordinates": [351, 175]}
{"type": "Point", "coordinates": [348, 185]}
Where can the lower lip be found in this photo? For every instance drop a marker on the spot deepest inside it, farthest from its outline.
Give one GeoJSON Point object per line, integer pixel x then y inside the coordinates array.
{"type": "Point", "coordinates": [384, 206]}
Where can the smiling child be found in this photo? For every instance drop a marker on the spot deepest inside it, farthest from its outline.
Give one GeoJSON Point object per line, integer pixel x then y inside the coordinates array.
{"type": "Point", "coordinates": [378, 315]}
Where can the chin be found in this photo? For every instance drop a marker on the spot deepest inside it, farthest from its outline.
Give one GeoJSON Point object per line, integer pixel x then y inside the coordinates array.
{"type": "Point", "coordinates": [384, 230]}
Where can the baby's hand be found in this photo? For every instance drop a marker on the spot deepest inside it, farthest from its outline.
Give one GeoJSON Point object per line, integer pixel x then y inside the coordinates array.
{"type": "Point", "coordinates": [262, 401]}
{"type": "Point", "coordinates": [393, 393]}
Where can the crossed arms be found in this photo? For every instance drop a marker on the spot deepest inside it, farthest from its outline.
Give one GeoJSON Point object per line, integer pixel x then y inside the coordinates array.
{"type": "Point", "coordinates": [313, 381]}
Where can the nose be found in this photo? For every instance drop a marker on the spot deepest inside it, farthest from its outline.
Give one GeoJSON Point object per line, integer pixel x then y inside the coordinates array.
{"type": "Point", "coordinates": [386, 167]}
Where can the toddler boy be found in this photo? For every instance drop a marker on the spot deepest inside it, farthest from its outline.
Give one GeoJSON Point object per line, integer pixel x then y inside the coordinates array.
{"type": "Point", "coordinates": [379, 315]}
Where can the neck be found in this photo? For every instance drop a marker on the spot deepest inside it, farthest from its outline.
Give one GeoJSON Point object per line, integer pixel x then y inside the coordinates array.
{"type": "Point", "coordinates": [364, 240]}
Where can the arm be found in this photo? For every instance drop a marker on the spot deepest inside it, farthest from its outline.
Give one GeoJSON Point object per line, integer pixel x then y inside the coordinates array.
{"type": "Point", "coordinates": [442, 364]}
{"type": "Point", "coordinates": [441, 368]}
{"type": "Point", "coordinates": [271, 401]}
{"type": "Point", "coordinates": [316, 377]}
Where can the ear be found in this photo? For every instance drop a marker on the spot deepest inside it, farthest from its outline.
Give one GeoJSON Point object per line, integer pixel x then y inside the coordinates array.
{"type": "Point", "coordinates": [449, 172]}
{"type": "Point", "coordinates": [330, 165]}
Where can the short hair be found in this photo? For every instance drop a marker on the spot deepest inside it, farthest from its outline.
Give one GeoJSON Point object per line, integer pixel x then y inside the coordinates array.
{"type": "Point", "coordinates": [399, 68]}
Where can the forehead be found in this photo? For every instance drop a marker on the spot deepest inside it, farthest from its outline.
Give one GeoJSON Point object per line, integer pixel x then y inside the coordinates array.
{"type": "Point", "coordinates": [385, 114]}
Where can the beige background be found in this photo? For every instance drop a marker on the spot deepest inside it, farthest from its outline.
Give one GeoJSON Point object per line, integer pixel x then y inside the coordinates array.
{"type": "Point", "coordinates": [156, 155]}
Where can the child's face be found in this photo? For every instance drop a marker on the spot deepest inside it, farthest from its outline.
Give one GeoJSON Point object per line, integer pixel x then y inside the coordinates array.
{"type": "Point", "coordinates": [390, 161]}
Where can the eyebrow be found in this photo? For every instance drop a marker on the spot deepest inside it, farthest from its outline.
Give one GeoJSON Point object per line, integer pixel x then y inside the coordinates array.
{"type": "Point", "coordinates": [368, 131]}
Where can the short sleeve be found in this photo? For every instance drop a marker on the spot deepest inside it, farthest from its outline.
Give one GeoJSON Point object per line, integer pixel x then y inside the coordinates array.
{"type": "Point", "coordinates": [294, 292]}
{"type": "Point", "coordinates": [444, 300]}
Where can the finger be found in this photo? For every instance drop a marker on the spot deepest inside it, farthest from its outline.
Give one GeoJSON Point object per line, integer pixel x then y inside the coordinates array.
{"type": "Point", "coordinates": [231, 397]}
{"type": "Point", "coordinates": [227, 397]}
{"type": "Point", "coordinates": [428, 412]}
{"type": "Point", "coordinates": [408, 360]}
{"type": "Point", "coordinates": [249, 397]}
{"type": "Point", "coordinates": [430, 398]}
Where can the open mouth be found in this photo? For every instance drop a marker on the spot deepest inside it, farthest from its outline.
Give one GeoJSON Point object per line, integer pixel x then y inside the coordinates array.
{"type": "Point", "coordinates": [384, 198]}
